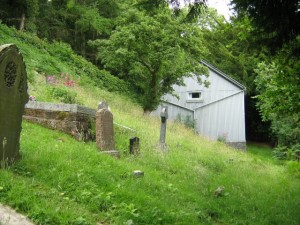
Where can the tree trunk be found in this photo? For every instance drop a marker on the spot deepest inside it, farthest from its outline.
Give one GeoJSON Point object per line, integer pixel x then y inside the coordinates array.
{"type": "Point", "coordinates": [22, 23]}
{"type": "Point", "coordinates": [151, 97]}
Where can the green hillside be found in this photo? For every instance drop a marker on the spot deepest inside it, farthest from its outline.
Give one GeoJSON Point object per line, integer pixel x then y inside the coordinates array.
{"type": "Point", "coordinates": [62, 181]}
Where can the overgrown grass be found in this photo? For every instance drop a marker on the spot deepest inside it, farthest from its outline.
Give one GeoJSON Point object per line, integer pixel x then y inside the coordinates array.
{"type": "Point", "coordinates": [62, 181]}
{"type": "Point", "coordinates": [261, 151]}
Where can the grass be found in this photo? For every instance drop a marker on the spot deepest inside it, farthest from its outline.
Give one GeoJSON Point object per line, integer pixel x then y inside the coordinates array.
{"type": "Point", "coordinates": [261, 151]}
{"type": "Point", "coordinates": [62, 181]}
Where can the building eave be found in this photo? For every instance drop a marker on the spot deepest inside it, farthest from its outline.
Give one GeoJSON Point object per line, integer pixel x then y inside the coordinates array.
{"type": "Point", "coordinates": [222, 74]}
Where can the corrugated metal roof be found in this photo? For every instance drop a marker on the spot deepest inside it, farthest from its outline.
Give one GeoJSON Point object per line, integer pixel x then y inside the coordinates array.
{"type": "Point", "coordinates": [230, 79]}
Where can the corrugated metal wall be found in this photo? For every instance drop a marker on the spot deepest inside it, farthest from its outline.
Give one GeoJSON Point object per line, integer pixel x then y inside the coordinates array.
{"type": "Point", "coordinates": [219, 88]}
{"type": "Point", "coordinates": [223, 119]}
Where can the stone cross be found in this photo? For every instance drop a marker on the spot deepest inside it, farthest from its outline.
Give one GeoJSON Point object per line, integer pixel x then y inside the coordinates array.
{"type": "Point", "coordinates": [13, 97]}
{"type": "Point", "coordinates": [164, 117]}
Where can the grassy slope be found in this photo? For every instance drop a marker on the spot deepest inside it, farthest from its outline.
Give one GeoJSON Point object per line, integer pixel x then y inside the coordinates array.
{"type": "Point", "coordinates": [62, 181]}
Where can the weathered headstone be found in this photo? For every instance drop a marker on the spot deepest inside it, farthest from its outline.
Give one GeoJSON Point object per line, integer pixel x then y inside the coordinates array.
{"type": "Point", "coordinates": [163, 128]}
{"type": "Point", "coordinates": [134, 145]}
{"type": "Point", "coordinates": [13, 97]}
{"type": "Point", "coordinates": [105, 132]}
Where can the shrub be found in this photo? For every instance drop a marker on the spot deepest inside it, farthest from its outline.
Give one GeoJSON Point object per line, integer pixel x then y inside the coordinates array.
{"type": "Point", "coordinates": [287, 153]}
{"type": "Point", "coordinates": [63, 94]}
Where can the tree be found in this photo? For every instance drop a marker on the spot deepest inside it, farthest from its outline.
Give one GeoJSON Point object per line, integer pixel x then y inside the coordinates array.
{"type": "Point", "coordinates": [15, 13]}
{"type": "Point", "coordinates": [152, 53]}
{"type": "Point", "coordinates": [278, 83]}
{"type": "Point", "coordinates": [276, 21]}
{"type": "Point", "coordinates": [77, 21]}
{"type": "Point", "coordinates": [193, 7]}
{"type": "Point", "coordinates": [277, 27]}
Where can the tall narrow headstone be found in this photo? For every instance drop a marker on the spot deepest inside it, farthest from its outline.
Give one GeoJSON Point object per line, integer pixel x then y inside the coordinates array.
{"type": "Point", "coordinates": [13, 97]}
{"type": "Point", "coordinates": [105, 132]}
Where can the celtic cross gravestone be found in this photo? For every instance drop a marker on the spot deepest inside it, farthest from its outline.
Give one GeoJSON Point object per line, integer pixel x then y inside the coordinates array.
{"type": "Point", "coordinates": [13, 97]}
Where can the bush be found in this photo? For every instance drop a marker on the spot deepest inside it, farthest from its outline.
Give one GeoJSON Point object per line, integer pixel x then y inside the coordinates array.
{"type": "Point", "coordinates": [63, 94]}
{"type": "Point", "coordinates": [287, 153]}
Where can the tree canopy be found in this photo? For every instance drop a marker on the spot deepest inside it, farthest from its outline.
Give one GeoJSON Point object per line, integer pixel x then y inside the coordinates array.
{"type": "Point", "coordinates": [276, 21]}
{"type": "Point", "coordinates": [152, 52]}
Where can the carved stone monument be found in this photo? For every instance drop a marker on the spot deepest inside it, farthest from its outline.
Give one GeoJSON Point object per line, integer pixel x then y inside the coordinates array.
{"type": "Point", "coordinates": [13, 97]}
{"type": "Point", "coordinates": [163, 128]}
{"type": "Point", "coordinates": [103, 105]}
{"type": "Point", "coordinates": [105, 132]}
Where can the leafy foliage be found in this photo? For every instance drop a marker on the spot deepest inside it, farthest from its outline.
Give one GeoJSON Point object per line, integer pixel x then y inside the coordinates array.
{"type": "Point", "coordinates": [193, 7]}
{"type": "Point", "coordinates": [63, 94]}
{"type": "Point", "coordinates": [273, 30]}
{"type": "Point", "coordinates": [152, 53]}
{"type": "Point", "coordinates": [278, 83]}
{"type": "Point", "coordinates": [16, 12]}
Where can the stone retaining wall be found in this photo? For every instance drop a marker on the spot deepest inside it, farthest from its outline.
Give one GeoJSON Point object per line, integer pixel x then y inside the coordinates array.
{"type": "Point", "coordinates": [72, 119]}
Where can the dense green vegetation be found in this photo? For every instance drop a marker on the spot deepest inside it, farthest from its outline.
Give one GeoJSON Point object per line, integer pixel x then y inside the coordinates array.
{"type": "Point", "coordinates": [173, 49]}
{"type": "Point", "coordinates": [139, 49]}
{"type": "Point", "coordinates": [62, 181]}
{"type": "Point", "coordinates": [43, 59]}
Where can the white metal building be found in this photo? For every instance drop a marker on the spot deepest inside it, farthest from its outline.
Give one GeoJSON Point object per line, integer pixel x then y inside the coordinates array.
{"type": "Point", "coordinates": [218, 111]}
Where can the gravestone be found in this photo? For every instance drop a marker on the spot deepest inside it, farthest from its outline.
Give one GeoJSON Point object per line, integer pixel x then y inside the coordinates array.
{"type": "Point", "coordinates": [13, 97]}
{"type": "Point", "coordinates": [163, 128]}
{"type": "Point", "coordinates": [105, 132]}
{"type": "Point", "coordinates": [103, 105]}
{"type": "Point", "coordinates": [134, 145]}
